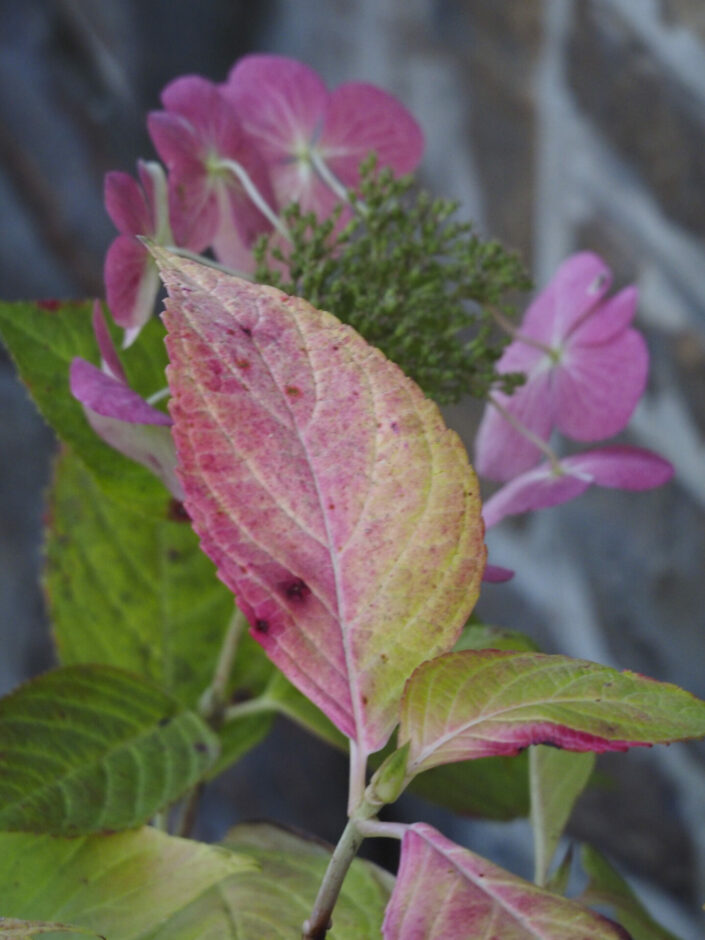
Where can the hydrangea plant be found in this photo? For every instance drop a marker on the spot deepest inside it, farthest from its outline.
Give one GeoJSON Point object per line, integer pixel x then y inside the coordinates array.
{"type": "Point", "coordinates": [285, 525]}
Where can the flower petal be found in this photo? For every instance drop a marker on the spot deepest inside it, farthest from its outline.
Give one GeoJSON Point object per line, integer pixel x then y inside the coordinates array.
{"type": "Point", "coordinates": [361, 118]}
{"type": "Point", "coordinates": [131, 282]}
{"type": "Point", "coordinates": [495, 574]}
{"type": "Point", "coordinates": [576, 287]}
{"type": "Point", "coordinates": [608, 320]}
{"type": "Point", "coordinates": [280, 102]}
{"type": "Point", "coordinates": [537, 489]}
{"type": "Point", "coordinates": [110, 397]}
{"type": "Point", "coordinates": [621, 467]}
{"type": "Point", "coordinates": [596, 388]}
{"type": "Point", "coordinates": [108, 354]}
{"type": "Point", "coordinates": [501, 452]}
{"type": "Point", "coordinates": [127, 205]}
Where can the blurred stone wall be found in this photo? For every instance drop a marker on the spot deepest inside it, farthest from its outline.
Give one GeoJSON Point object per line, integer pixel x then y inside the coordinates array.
{"type": "Point", "coordinates": [560, 126]}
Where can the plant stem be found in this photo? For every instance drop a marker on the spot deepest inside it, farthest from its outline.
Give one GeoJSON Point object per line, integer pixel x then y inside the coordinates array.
{"type": "Point", "coordinates": [252, 707]}
{"type": "Point", "coordinates": [528, 434]}
{"type": "Point", "coordinates": [541, 862]}
{"type": "Point", "coordinates": [334, 184]}
{"type": "Point", "coordinates": [212, 702]}
{"type": "Point", "coordinates": [319, 923]}
{"type": "Point", "coordinates": [375, 829]}
{"type": "Point", "coordinates": [358, 770]}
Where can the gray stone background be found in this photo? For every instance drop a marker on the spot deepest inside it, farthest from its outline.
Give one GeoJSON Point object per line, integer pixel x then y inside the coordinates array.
{"type": "Point", "coordinates": [560, 124]}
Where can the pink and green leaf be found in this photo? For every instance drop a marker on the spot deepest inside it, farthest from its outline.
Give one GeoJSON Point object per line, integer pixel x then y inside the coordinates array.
{"type": "Point", "coordinates": [444, 890]}
{"type": "Point", "coordinates": [335, 503]}
{"type": "Point", "coordinates": [480, 703]}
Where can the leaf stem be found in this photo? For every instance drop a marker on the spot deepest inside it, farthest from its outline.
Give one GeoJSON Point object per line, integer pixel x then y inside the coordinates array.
{"type": "Point", "coordinates": [541, 861]}
{"type": "Point", "coordinates": [254, 706]}
{"type": "Point", "coordinates": [211, 705]}
{"type": "Point", "coordinates": [375, 829]}
{"type": "Point", "coordinates": [358, 771]}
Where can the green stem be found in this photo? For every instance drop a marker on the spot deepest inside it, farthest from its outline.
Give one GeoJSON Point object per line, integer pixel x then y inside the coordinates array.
{"type": "Point", "coordinates": [254, 706]}
{"type": "Point", "coordinates": [541, 860]}
{"type": "Point", "coordinates": [319, 923]}
{"type": "Point", "coordinates": [211, 706]}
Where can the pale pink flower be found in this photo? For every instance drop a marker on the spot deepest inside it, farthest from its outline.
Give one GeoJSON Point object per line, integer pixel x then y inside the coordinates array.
{"type": "Point", "coordinates": [306, 133]}
{"type": "Point", "coordinates": [586, 369]}
{"type": "Point", "coordinates": [131, 277]}
{"type": "Point", "coordinates": [616, 466]}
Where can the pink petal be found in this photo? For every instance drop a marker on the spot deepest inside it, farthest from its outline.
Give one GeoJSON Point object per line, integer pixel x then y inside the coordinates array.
{"type": "Point", "coordinates": [495, 574]}
{"type": "Point", "coordinates": [577, 286]}
{"type": "Point", "coordinates": [607, 320]}
{"type": "Point", "coordinates": [361, 118]}
{"type": "Point", "coordinates": [279, 101]}
{"type": "Point", "coordinates": [126, 205]}
{"type": "Point", "coordinates": [110, 360]}
{"type": "Point", "coordinates": [149, 445]}
{"type": "Point", "coordinates": [131, 282]}
{"type": "Point", "coordinates": [597, 387]}
{"type": "Point", "coordinates": [111, 398]}
{"type": "Point", "coordinates": [537, 489]}
{"type": "Point", "coordinates": [177, 143]}
{"type": "Point", "coordinates": [501, 452]}
{"type": "Point", "coordinates": [193, 209]}
{"type": "Point", "coordinates": [621, 467]}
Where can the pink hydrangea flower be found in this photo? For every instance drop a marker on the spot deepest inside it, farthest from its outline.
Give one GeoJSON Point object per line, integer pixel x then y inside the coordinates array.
{"type": "Point", "coordinates": [307, 133]}
{"type": "Point", "coordinates": [586, 369]}
{"type": "Point", "coordinates": [121, 417]}
{"type": "Point", "coordinates": [131, 277]}
{"type": "Point", "coordinates": [204, 146]}
{"type": "Point", "coordinates": [617, 466]}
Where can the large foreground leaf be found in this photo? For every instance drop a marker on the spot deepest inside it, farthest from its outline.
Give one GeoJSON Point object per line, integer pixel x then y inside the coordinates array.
{"type": "Point", "coordinates": [91, 749]}
{"type": "Point", "coordinates": [479, 703]}
{"type": "Point", "coordinates": [274, 901]}
{"type": "Point", "coordinates": [607, 888]}
{"type": "Point", "coordinates": [122, 886]}
{"type": "Point", "coordinates": [332, 498]}
{"type": "Point", "coordinates": [43, 340]}
{"type": "Point", "coordinates": [443, 890]}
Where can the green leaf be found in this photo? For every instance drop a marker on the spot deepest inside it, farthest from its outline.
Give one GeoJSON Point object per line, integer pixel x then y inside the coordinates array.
{"type": "Point", "coordinates": [355, 547]}
{"type": "Point", "coordinates": [607, 887]}
{"type": "Point", "coordinates": [557, 778]}
{"type": "Point", "coordinates": [130, 590]}
{"type": "Point", "coordinates": [479, 703]}
{"type": "Point", "coordinates": [42, 343]}
{"type": "Point", "coordinates": [491, 787]}
{"type": "Point", "coordinates": [122, 886]}
{"type": "Point", "coordinates": [13, 929]}
{"type": "Point", "coordinates": [94, 749]}
{"type": "Point", "coordinates": [273, 902]}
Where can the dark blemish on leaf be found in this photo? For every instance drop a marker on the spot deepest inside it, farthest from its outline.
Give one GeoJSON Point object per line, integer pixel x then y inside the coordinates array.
{"type": "Point", "coordinates": [364, 700]}
{"type": "Point", "coordinates": [246, 330]}
{"type": "Point", "coordinates": [176, 511]}
{"type": "Point", "coordinates": [292, 391]}
{"type": "Point", "coordinates": [296, 590]}
{"type": "Point", "coordinates": [201, 747]}
{"type": "Point", "coordinates": [173, 555]}
{"type": "Point", "coordinates": [242, 363]}
{"type": "Point", "coordinates": [241, 695]}
{"type": "Point", "coordinates": [395, 427]}
{"type": "Point", "coordinates": [331, 505]}
{"type": "Point", "coordinates": [262, 626]}
{"type": "Point", "coordinates": [383, 657]}
{"type": "Point", "coordinates": [163, 722]}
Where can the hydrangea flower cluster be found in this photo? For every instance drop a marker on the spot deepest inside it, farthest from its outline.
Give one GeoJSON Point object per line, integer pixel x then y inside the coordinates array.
{"type": "Point", "coordinates": [235, 156]}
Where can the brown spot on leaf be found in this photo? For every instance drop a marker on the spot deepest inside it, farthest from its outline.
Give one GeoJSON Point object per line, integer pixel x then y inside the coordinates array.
{"type": "Point", "coordinates": [242, 363]}
{"type": "Point", "coordinates": [246, 330]}
{"type": "Point", "coordinates": [296, 589]}
{"type": "Point", "coordinates": [292, 391]}
{"type": "Point", "coordinates": [262, 626]}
